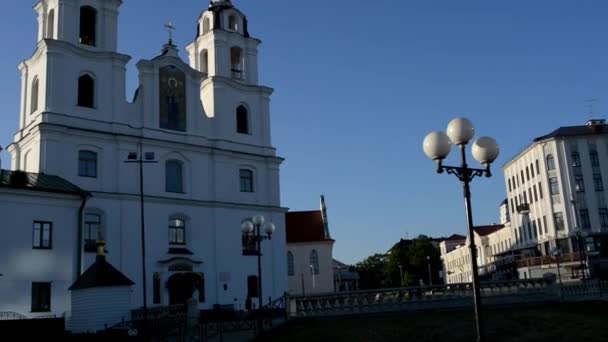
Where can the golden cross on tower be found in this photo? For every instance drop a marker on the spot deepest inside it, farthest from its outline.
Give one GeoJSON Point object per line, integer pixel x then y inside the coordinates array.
{"type": "Point", "coordinates": [171, 28]}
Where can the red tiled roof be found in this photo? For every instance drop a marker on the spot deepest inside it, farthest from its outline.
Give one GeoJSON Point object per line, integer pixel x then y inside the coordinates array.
{"type": "Point", "coordinates": [305, 226]}
{"type": "Point", "coordinates": [487, 230]}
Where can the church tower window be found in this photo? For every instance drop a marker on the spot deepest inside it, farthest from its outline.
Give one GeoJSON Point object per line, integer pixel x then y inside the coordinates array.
{"type": "Point", "coordinates": [34, 102]}
{"type": "Point", "coordinates": [86, 91]}
{"type": "Point", "coordinates": [174, 176]}
{"type": "Point", "coordinates": [204, 62]}
{"type": "Point", "coordinates": [232, 25]}
{"type": "Point", "coordinates": [87, 164]}
{"type": "Point", "coordinates": [314, 262]}
{"type": "Point", "coordinates": [246, 177]}
{"type": "Point", "coordinates": [172, 98]}
{"type": "Point", "coordinates": [88, 25]}
{"type": "Point", "coordinates": [242, 120]}
{"type": "Point", "coordinates": [50, 25]}
{"type": "Point", "coordinates": [91, 229]}
{"type": "Point", "coordinates": [236, 62]}
{"type": "Point", "coordinates": [206, 25]}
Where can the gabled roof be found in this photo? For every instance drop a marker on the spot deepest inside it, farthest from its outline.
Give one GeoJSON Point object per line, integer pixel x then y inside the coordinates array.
{"type": "Point", "coordinates": [101, 274]}
{"type": "Point", "coordinates": [38, 182]}
{"type": "Point", "coordinates": [487, 230]}
{"type": "Point", "coordinates": [305, 226]}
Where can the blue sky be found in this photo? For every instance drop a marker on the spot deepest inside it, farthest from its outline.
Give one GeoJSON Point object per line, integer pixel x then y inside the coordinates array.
{"type": "Point", "coordinates": [358, 84]}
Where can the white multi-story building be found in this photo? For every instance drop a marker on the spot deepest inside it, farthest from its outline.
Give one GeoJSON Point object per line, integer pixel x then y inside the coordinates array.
{"type": "Point", "coordinates": [556, 192]}
{"type": "Point", "coordinates": [203, 126]}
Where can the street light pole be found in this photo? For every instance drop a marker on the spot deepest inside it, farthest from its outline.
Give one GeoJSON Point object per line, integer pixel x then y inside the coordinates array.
{"type": "Point", "coordinates": [252, 228]}
{"type": "Point", "coordinates": [401, 274]}
{"type": "Point", "coordinates": [133, 157]}
{"type": "Point", "coordinates": [428, 262]}
{"type": "Point", "coordinates": [437, 146]}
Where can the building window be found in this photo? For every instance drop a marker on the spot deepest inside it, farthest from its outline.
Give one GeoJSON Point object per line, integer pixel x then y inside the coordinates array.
{"type": "Point", "coordinates": [545, 224]}
{"type": "Point", "coordinates": [41, 297]}
{"type": "Point", "coordinates": [523, 179]}
{"type": "Point", "coordinates": [537, 167]}
{"type": "Point", "coordinates": [87, 164]}
{"type": "Point", "coordinates": [204, 62]}
{"type": "Point", "coordinates": [314, 262]}
{"type": "Point", "coordinates": [579, 184]}
{"type": "Point", "coordinates": [532, 169]}
{"type": "Point", "coordinates": [585, 222]}
{"type": "Point", "coordinates": [174, 180]}
{"type": "Point", "coordinates": [595, 160]}
{"type": "Point", "coordinates": [576, 159]}
{"type": "Point", "coordinates": [88, 25]}
{"type": "Point", "coordinates": [232, 23]}
{"type": "Point", "coordinates": [509, 182]}
{"type": "Point", "coordinates": [559, 221]}
{"type": "Point", "coordinates": [50, 25]}
{"type": "Point", "coordinates": [177, 232]}
{"type": "Point", "coordinates": [540, 190]}
{"type": "Point", "coordinates": [553, 186]}
{"type": "Point", "coordinates": [603, 217]}
{"type": "Point", "coordinates": [597, 182]}
{"type": "Point", "coordinates": [156, 288]}
{"type": "Point", "coordinates": [91, 231]}
{"type": "Point", "coordinates": [527, 173]}
{"type": "Point", "coordinates": [290, 267]}
{"type": "Point", "coordinates": [242, 120]}
{"type": "Point", "coordinates": [535, 194]}
{"type": "Point", "coordinates": [86, 91]}
{"type": "Point", "coordinates": [246, 180]}
{"type": "Point", "coordinates": [43, 235]}
{"type": "Point", "coordinates": [34, 102]}
{"type": "Point", "coordinates": [513, 181]}
{"type": "Point", "coordinates": [512, 207]}
{"type": "Point", "coordinates": [206, 25]}
{"type": "Point", "coordinates": [550, 162]}
{"type": "Point", "coordinates": [530, 195]}
{"type": "Point", "coordinates": [236, 62]}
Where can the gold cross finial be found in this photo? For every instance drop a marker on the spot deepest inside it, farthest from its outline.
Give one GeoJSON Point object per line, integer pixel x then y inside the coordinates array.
{"type": "Point", "coordinates": [171, 28]}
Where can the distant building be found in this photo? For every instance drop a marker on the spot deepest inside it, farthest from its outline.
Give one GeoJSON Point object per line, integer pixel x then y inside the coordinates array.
{"type": "Point", "coordinates": [346, 277]}
{"type": "Point", "coordinates": [309, 252]}
{"type": "Point", "coordinates": [556, 189]}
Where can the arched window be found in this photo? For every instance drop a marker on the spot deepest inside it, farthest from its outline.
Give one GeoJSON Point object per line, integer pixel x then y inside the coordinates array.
{"type": "Point", "coordinates": [87, 164]}
{"type": "Point", "coordinates": [88, 25]}
{"type": "Point", "coordinates": [242, 120]}
{"type": "Point", "coordinates": [204, 62]}
{"type": "Point", "coordinates": [86, 91]}
{"type": "Point", "coordinates": [550, 162]}
{"type": "Point", "coordinates": [174, 181]}
{"type": "Point", "coordinates": [290, 268]}
{"type": "Point", "coordinates": [92, 222]}
{"type": "Point", "coordinates": [177, 232]}
{"type": "Point", "coordinates": [246, 180]}
{"type": "Point", "coordinates": [34, 102]}
{"type": "Point", "coordinates": [314, 262]}
{"type": "Point", "coordinates": [50, 25]}
{"type": "Point", "coordinates": [236, 62]}
{"type": "Point", "coordinates": [206, 25]}
{"type": "Point", "coordinates": [576, 159]}
{"type": "Point", "coordinates": [232, 25]}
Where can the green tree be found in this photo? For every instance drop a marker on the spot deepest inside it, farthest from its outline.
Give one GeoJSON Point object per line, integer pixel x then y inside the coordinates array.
{"type": "Point", "coordinates": [412, 255]}
{"type": "Point", "coordinates": [372, 272]}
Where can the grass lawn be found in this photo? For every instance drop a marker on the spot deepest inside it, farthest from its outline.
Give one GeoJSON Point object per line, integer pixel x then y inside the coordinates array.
{"type": "Point", "coordinates": [585, 322]}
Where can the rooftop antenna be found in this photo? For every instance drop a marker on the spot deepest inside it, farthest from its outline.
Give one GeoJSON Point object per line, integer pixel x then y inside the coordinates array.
{"type": "Point", "coordinates": [590, 103]}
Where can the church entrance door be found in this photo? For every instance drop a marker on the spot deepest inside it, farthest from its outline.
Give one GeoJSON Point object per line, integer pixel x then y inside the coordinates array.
{"type": "Point", "coordinates": [182, 286]}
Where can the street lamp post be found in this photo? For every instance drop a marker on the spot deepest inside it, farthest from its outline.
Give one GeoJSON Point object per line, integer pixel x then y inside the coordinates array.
{"type": "Point", "coordinates": [437, 146]}
{"type": "Point", "coordinates": [252, 229]}
{"type": "Point", "coordinates": [428, 262]}
{"type": "Point", "coordinates": [556, 253]}
{"type": "Point", "coordinates": [581, 246]}
{"type": "Point", "coordinates": [401, 274]}
{"type": "Point", "coordinates": [141, 159]}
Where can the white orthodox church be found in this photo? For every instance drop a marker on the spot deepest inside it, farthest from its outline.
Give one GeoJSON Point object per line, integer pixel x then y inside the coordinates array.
{"type": "Point", "coordinates": [197, 130]}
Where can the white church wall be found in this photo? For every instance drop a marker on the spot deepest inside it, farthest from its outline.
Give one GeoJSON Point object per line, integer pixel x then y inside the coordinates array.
{"type": "Point", "coordinates": [22, 264]}
{"type": "Point", "coordinates": [319, 283]}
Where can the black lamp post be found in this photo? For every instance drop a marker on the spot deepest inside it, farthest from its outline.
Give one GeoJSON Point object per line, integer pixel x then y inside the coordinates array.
{"type": "Point", "coordinates": [428, 262]}
{"type": "Point", "coordinates": [580, 238]}
{"type": "Point", "coordinates": [252, 229]}
{"type": "Point", "coordinates": [141, 159]}
{"type": "Point", "coordinates": [437, 146]}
